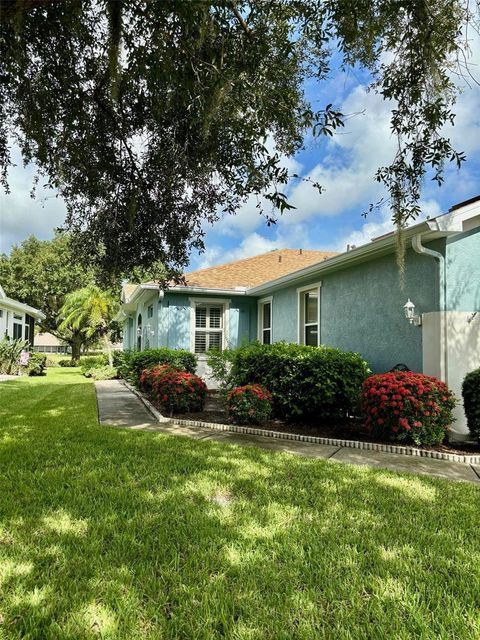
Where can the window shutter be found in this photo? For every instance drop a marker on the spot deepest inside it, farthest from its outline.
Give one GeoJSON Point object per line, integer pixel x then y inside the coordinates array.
{"type": "Point", "coordinates": [201, 317]}
{"type": "Point", "coordinates": [215, 317]}
{"type": "Point", "coordinates": [215, 341]}
{"type": "Point", "coordinates": [200, 342]}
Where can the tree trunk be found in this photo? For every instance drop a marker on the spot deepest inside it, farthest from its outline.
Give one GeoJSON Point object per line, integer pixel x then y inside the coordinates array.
{"type": "Point", "coordinates": [76, 344]}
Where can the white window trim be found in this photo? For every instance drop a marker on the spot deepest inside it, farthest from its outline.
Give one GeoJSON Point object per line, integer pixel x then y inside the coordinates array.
{"type": "Point", "coordinates": [19, 320]}
{"type": "Point", "coordinates": [221, 302]}
{"type": "Point", "coordinates": [300, 324]}
{"type": "Point", "coordinates": [260, 303]}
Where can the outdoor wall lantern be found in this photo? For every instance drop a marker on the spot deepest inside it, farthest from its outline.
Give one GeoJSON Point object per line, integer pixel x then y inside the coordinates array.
{"type": "Point", "coordinates": [409, 309]}
{"type": "Point", "coordinates": [139, 331]}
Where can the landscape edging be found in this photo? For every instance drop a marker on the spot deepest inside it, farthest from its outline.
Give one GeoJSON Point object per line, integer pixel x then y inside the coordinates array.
{"type": "Point", "coordinates": [282, 435]}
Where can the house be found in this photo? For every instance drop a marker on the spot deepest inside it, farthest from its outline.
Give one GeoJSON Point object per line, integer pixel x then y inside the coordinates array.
{"type": "Point", "coordinates": [17, 320]}
{"type": "Point", "coordinates": [352, 300]}
{"type": "Point", "coordinates": [48, 343]}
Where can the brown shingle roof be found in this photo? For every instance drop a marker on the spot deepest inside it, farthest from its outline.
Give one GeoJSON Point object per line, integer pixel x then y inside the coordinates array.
{"type": "Point", "coordinates": [256, 270]}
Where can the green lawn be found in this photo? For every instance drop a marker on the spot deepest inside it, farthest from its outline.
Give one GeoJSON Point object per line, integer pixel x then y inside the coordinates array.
{"type": "Point", "coordinates": [109, 533]}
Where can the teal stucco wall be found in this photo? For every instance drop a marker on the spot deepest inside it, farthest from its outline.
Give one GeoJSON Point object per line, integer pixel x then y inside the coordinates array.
{"type": "Point", "coordinates": [362, 309]}
{"type": "Point", "coordinates": [149, 326]}
{"type": "Point", "coordinates": [174, 319]}
{"type": "Point", "coordinates": [463, 271]}
{"type": "Point", "coordinates": [361, 306]}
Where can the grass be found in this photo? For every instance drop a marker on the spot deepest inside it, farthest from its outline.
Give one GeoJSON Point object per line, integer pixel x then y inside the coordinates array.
{"type": "Point", "coordinates": [109, 533]}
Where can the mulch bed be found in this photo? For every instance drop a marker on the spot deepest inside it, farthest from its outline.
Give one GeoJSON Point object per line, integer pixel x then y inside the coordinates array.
{"type": "Point", "coordinates": [354, 429]}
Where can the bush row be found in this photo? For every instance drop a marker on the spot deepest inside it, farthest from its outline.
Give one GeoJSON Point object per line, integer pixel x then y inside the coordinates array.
{"type": "Point", "coordinates": [130, 364]}
{"type": "Point", "coordinates": [329, 385]}
{"type": "Point", "coordinates": [306, 383]}
{"type": "Point", "coordinates": [299, 383]}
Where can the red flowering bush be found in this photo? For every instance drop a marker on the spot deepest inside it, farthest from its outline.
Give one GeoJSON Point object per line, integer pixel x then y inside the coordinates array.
{"type": "Point", "coordinates": [177, 391]}
{"type": "Point", "coordinates": [406, 406]}
{"type": "Point", "coordinates": [250, 404]}
{"type": "Point", "coordinates": [148, 376]}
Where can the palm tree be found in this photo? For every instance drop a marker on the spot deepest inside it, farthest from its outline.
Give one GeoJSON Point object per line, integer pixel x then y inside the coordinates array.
{"type": "Point", "coordinates": [91, 311]}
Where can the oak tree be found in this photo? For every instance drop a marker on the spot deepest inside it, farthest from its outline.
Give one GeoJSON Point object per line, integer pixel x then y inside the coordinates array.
{"type": "Point", "coordinates": [153, 117]}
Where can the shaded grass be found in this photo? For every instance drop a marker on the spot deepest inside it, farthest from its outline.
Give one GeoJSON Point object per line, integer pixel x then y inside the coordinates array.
{"type": "Point", "coordinates": [119, 534]}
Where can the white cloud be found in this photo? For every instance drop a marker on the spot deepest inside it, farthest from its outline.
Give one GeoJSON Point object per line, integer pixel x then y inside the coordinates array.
{"type": "Point", "coordinates": [354, 154]}
{"type": "Point", "coordinates": [20, 215]}
{"type": "Point", "coordinates": [351, 158]}
{"type": "Point", "coordinates": [382, 224]}
{"type": "Point", "coordinates": [346, 173]}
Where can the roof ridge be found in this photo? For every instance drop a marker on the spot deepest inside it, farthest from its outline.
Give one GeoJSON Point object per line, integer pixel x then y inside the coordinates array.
{"type": "Point", "coordinates": [258, 255]}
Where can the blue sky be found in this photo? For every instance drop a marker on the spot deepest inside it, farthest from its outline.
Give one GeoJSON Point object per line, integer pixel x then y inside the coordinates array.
{"type": "Point", "coordinates": [345, 166]}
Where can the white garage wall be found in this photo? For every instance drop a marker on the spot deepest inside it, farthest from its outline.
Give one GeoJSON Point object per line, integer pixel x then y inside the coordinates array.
{"type": "Point", "coordinates": [450, 354]}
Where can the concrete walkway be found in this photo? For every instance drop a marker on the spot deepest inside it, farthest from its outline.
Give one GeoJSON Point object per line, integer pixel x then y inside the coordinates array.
{"type": "Point", "coordinates": [5, 378]}
{"type": "Point", "coordinates": [119, 407]}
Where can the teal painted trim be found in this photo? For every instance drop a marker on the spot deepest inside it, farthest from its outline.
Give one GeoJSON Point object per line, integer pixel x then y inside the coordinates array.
{"type": "Point", "coordinates": [128, 341]}
{"type": "Point", "coordinates": [126, 337]}
{"type": "Point", "coordinates": [463, 271]}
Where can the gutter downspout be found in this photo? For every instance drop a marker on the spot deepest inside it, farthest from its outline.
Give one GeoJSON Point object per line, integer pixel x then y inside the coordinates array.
{"type": "Point", "coordinates": [418, 247]}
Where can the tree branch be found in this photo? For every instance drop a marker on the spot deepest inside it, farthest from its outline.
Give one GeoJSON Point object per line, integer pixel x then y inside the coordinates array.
{"type": "Point", "coordinates": [242, 22]}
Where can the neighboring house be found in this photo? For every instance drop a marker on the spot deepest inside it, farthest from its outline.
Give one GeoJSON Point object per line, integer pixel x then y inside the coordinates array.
{"type": "Point", "coordinates": [48, 343]}
{"type": "Point", "coordinates": [352, 300]}
{"type": "Point", "coordinates": [17, 320]}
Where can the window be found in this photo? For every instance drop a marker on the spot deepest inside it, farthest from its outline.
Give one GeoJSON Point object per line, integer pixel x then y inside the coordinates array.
{"type": "Point", "coordinates": [150, 311]}
{"type": "Point", "coordinates": [27, 331]}
{"type": "Point", "coordinates": [265, 321]}
{"type": "Point", "coordinates": [208, 328]}
{"type": "Point", "coordinates": [17, 331]}
{"type": "Point", "coordinates": [309, 315]}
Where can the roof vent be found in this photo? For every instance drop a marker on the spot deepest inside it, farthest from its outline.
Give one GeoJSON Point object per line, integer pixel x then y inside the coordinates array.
{"type": "Point", "coordinates": [280, 258]}
{"type": "Point", "coordinates": [350, 247]}
{"type": "Point", "coordinates": [300, 251]}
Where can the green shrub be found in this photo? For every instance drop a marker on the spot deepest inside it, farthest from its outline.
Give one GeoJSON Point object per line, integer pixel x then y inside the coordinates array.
{"type": "Point", "coordinates": [176, 391]}
{"type": "Point", "coordinates": [121, 362]}
{"type": "Point", "coordinates": [36, 364]}
{"type": "Point", "coordinates": [250, 404]}
{"type": "Point", "coordinates": [88, 362]}
{"type": "Point", "coordinates": [405, 406]}
{"type": "Point", "coordinates": [10, 352]}
{"type": "Point", "coordinates": [51, 362]}
{"type": "Point", "coordinates": [179, 359]}
{"type": "Point", "coordinates": [471, 402]}
{"type": "Point", "coordinates": [220, 363]}
{"type": "Point", "coordinates": [67, 362]}
{"type": "Point", "coordinates": [306, 383]}
{"type": "Point", "coordinates": [104, 372]}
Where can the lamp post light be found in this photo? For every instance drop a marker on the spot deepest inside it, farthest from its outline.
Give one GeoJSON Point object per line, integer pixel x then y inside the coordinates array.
{"type": "Point", "coordinates": [409, 310]}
